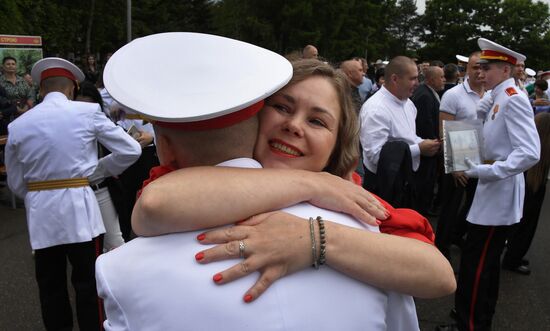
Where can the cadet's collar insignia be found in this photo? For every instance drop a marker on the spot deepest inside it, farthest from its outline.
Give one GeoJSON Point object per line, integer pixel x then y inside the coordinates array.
{"type": "Point", "coordinates": [495, 110]}
{"type": "Point", "coordinates": [511, 91]}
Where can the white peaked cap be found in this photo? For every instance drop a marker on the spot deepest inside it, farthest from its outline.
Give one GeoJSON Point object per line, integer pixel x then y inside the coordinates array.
{"type": "Point", "coordinates": [530, 72]}
{"type": "Point", "coordinates": [55, 67]}
{"type": "Point", "coordinates": [491, 51]}
{"type": "Point", "coordinates": [462, 58]}
{"type": "Point", "coordinates": [189, 77]}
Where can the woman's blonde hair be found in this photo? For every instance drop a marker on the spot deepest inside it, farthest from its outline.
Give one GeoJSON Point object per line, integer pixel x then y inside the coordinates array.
{"type": "Point", "coordinates": [539, 172]}
{"type": "Point", "coordinates": [345, 154]}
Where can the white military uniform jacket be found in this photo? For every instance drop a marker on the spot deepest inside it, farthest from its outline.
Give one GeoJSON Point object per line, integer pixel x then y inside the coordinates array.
{"type": "Point", "coordinates": [57, 139]}
{"type": "Point", "coordinates": [511, 140]}
{"type": "Point", "coordinates": [385, 118]}
{"type": "Point", "coordinates": [155, 283]}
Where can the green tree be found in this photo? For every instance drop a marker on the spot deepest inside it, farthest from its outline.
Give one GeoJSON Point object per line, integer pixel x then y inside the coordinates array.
{"type": "Point", "coordinates": [340, 29]}
{"type": "Point", "coordinates": [11, 18]}
{"type": "Point", "coordinates": [523, 25]}
{"type": "Point", "coordinates": [452, 27]}
{"type": "Point", "coordinates": [405, 28]}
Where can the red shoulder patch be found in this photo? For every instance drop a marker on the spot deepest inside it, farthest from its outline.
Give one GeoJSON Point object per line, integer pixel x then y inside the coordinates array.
{"type": "Point", "coordinates": [511, 91]}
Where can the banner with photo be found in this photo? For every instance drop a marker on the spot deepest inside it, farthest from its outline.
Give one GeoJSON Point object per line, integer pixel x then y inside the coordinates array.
{"type": "Point", "coordinates": [26, 57]}
{"type": "Point", "coordinates": [25, 49]}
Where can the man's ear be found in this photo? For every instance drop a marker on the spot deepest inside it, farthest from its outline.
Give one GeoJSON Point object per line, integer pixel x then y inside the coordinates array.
{"type": "Point", "coordinates": [393, 79]}
{"type": "Point", "coordinates": [165, 149]}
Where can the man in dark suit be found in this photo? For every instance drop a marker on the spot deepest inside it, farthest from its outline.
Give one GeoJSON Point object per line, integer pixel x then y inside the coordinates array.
{"type": "Point", "coordinates": [426, 100]}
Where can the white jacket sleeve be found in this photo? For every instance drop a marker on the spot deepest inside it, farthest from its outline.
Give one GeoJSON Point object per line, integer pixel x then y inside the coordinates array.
{"type": "Point", "coordinates": [116, 318]}
{"type": "Point", "coordinates": [124, 149]}
{"type": "Point", "coordinates": [14, 168]}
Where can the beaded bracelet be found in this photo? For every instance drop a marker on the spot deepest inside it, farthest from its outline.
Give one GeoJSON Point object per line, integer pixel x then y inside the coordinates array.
{"type": "Point", "coordinates": [322, 241]}
{"type": "Point", "coordinates": [315, 263]}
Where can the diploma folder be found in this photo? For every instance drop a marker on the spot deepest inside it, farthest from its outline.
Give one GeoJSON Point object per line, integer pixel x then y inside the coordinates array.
{"type": "Point", "coordinates": [461, 140]}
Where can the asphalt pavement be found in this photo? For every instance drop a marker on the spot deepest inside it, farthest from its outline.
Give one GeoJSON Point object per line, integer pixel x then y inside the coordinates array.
{"type": "Point", "coordinates": [524, 302]}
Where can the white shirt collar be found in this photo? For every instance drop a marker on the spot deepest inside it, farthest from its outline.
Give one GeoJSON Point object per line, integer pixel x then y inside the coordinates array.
{"type": "Point", "coordinates": [392, 97]}
{"type": "Point", "coordinates": [55, 96]}
{"type": "Point", "coordinates": [242, 162]}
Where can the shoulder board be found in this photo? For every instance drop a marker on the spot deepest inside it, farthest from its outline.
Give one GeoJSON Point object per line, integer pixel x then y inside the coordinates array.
{"type": "Point", "coordinates": [511, 91]}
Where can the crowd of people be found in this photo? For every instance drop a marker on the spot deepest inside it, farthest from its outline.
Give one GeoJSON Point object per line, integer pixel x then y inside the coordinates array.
{"type": "Point", "coordinates": [353, 161]}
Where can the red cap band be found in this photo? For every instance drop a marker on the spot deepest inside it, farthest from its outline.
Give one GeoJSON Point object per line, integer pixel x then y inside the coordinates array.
{"type": "Point", "coordinates": [57, 72]}
{"type": "Point", "coordinates": [498, 56]}
{"type": "Point", "coordinates": [215, 123]}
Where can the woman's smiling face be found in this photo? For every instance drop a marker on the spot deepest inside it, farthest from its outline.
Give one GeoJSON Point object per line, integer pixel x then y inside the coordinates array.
{"type": "Point", "coordinates": [299, 126]}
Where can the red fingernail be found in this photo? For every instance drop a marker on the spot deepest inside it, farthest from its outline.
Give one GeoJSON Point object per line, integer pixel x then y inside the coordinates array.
{"type": "Point", "coordinates": [199, 256]}
{"type": "Point", "coordinates": [201, 237]}
{"type": "Point", "coordinates": [247, 298]}
{"type": "Point", "coordinates": [378, 222]}
{"type": "Point", "coordinates": [217, 278]}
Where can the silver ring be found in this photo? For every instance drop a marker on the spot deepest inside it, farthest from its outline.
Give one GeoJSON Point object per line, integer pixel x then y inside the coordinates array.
{"type": "Point", "coordinates": [242, 247]}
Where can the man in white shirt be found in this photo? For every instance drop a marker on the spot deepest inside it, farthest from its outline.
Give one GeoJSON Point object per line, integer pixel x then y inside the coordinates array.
{"type": "Point", "coordinates": [389, 115]}
{"type": "Point", "coordinates": [154, 283]}
{"type": "Point", "coordinates": [52, 163]}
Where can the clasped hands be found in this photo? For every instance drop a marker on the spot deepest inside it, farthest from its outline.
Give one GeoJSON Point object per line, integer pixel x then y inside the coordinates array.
{"type": "Point", "coordinates": [277, 243]}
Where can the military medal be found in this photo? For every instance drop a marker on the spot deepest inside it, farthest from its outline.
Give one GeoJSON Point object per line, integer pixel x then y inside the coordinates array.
{"type": "Point", "coordinates": [495, 111]}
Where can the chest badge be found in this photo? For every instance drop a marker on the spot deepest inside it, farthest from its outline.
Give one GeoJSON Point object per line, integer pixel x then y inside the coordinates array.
{"type": "Point", "coordinates": [495, 111]}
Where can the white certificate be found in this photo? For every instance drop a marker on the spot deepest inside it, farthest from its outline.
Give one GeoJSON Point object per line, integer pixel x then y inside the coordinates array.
{"type": "Point", "coordinates": [464, 144]}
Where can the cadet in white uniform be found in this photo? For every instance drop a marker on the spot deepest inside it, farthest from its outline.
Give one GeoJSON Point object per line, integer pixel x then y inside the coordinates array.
{"type": "Point", "coordinates": [511, 146]}
{"type": "Point", "coordinates": [50, 155]}
{"type": "Point", "coordinates": [154, 283]}
{"type": "Point", "coordinates": [458, 104]}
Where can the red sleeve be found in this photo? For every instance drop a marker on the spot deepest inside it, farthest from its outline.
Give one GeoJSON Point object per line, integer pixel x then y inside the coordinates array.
{"type": "Point", "coordinates": [408, 223]}
{"type": "Point", "coordinates": [403, 222]}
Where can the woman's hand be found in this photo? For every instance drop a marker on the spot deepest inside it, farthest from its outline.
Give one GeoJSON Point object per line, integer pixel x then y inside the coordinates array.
{"type": "Point", "coordinates": [337, 194]}
{"type": "Point", "coordinates": [275, 243]}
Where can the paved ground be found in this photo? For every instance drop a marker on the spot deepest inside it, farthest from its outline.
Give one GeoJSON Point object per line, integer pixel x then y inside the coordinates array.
{"type": "Point", "coordinates": [524, 302]}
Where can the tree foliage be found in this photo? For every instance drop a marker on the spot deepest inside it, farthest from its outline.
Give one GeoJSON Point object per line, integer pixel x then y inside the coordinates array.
{"type": "Point", "coordinates": [453, 27]}
{"type": "Point", "coordinates": [340, 29]}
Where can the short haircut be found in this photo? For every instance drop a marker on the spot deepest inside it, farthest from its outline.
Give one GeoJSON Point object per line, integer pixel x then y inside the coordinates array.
{"type": "Point", "coordinates": [450, 71]}
{"type": "Point", "coordinates": [431, 72]}
{"type": "Point", "coordinates": [399, 66]}
{"type": "Point", "coordinates": [511, 67]}
{"type": "Point", "coordinates": [542, 84]}
{"type": "Point", "coordinates": [226, 143]}
{"type": "Point", "coordinates": [52, 84]}
{"type": "Point", "coordinates": [348, 66]}
{"type": "Point", "coordinates": [7, 58]}
{"type": "Point", "coordinates": [437, 63]}
{"type": "Point", "coordinates": [474, 53]}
